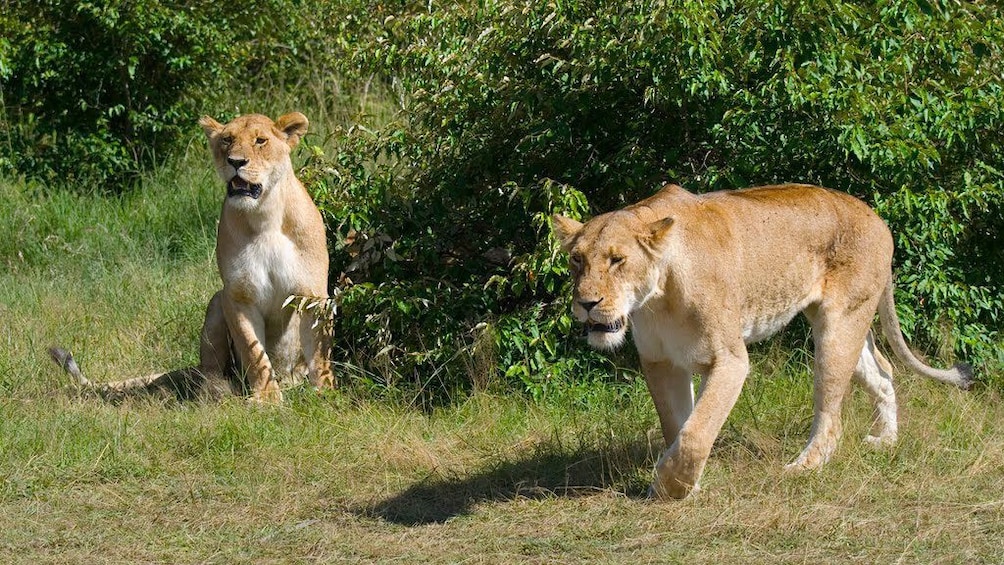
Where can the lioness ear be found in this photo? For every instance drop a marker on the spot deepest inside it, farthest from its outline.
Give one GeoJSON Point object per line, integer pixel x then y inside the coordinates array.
{"type": "Point", "coordinates": [565, 229]}
{"type": "Point", "coordinates": [658, 232]}
{"type": "Point", "coordinates": [294, 125]}
{"type": "Point", "coordinates": [210, 126]}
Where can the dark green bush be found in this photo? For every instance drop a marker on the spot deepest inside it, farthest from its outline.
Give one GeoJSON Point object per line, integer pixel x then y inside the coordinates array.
{"type": "Point", "coordinates": [96, 92]}
{"type": "Point", "coordinates": [511, 111]}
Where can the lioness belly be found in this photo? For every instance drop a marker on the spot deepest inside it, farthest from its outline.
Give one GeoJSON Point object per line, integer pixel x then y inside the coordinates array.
{"type": "Point", "coordinates": [761, 327]}
{"type": "Point", "coordinates": [777, 291]}
{"type": "Point", "coordinates": [771, 316]}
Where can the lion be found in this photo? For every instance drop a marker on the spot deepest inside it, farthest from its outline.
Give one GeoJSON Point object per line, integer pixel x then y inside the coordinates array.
{"type": "Point", "coordinates": [270, 245]}
{"type": "Point", "coordinates": [697, 278]}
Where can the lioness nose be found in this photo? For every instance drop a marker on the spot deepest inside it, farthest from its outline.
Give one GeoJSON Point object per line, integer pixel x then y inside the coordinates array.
{"type": "Point", "coordinates": [237, 162]}
{"type": "Point", "coordinates": [589, 304]}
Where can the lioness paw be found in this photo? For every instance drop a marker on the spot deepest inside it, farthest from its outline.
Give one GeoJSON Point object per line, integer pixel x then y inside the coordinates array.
{"type": "Point", "coordinates": [881, 441]}
{"type": "Point", "coordinates": [671, 489]}
{"type": "Point", "coordinates": [268, 395]}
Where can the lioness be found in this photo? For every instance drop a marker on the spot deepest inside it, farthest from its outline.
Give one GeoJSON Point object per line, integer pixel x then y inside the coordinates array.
{"type": "Point", "coordinates": [270, 245]}
{"type": "Point", "coordinates": [699, 277]}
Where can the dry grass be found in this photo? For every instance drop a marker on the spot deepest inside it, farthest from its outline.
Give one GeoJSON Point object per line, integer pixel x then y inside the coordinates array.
{"type": "Point", "coordinates": [494, 480]}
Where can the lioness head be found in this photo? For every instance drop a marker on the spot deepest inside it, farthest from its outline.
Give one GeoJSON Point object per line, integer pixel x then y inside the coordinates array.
{"type": "Point", "coordinates": [251, 153]}
{"type": "Point", "coordinates": [615, 259]}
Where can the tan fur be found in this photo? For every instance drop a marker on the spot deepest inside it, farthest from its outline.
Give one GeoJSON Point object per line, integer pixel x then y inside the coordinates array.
{"type": "Point", "coordinates": [270, 245]}
{"type": "Point", "coordinates": [699, 277]}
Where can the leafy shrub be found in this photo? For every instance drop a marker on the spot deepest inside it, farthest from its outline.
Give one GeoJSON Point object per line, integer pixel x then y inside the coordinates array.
{"type": "Point", "coordinates": [94, 93]}
{"type": "Point", "coordinates": [513, 110]}
{"type": "Point", "coordinates": [509, 111]}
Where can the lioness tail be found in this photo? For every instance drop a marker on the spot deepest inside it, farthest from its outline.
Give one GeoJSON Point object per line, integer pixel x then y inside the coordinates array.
{"type": "Point", "coordinates": [960, 375]}
{"type": "Point", "coordinates": [64, 359]}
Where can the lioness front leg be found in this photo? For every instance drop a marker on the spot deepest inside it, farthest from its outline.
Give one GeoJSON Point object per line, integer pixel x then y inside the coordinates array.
{"type": "Point", "coordinates": [672, 392]}
{"type": "Point", "coordinates": [679, 469]}
{"type": "Point", "coordinates": [247, 329]}
{"type": "Point", "coordinates": [316, 343]}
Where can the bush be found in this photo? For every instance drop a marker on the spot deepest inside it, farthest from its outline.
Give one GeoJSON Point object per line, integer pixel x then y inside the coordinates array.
{"type": "Point", "coordinates": [511, 111]}
{"type": "Point", "coordinates": [94, 93]}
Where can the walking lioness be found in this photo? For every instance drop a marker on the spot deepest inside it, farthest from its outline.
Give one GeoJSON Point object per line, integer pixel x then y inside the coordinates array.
{"type": "Point", "coordinates": [270, 245]}
{"type": "Point", "coordinates": [699, 277]}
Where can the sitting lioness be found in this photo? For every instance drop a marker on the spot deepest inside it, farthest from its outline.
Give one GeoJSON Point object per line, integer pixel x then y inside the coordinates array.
{"type": "Point", "coordinates": [270, 245]}
{"type": "Point", "coordinates": [699, 277]}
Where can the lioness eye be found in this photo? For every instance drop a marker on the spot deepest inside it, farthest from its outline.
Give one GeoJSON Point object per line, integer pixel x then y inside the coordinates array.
{"type": "Point", "coordinates": [616, 260]}
{"type": "Point", "coordinates": [260, 140]}
{"type": "Point", "coordinates": [228, 140]}
{"type": "Point", "coordinates": [575, 260]}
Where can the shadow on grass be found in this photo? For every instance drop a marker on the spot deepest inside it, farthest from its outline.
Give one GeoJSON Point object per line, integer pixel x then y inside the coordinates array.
{"type": "Point", "coordinates": [550, 471]}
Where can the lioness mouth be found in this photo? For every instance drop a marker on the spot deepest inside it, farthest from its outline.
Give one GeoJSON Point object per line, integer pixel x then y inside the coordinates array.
{"type": "Point", "coordinates": [610, 328]}
{"type": "Point", "coordinates": [240, 187]}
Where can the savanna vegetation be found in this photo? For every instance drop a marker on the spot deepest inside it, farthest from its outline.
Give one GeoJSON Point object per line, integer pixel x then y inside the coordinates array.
{"type": "Point", "coordinates": [472, 423]}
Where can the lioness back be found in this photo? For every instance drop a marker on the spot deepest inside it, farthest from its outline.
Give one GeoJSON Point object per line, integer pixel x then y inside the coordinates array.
{"type": "Point", "coordinates": [821, 222]}
{"type": "Point", "coordinates": [735, 239]}
{"type": "Point", "coordinates": [829, 239]}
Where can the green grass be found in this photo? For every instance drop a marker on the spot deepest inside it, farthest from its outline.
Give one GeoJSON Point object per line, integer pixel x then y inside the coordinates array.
{"type": "Point", "coordinates": [493, 479]}
{"type": "Point", "coordinates": [347, 477]}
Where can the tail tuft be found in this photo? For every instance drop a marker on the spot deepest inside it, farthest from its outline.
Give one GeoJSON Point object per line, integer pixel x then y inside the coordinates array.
{"type": "Point", "coordinates": [967, 376]}
{"type": "Point", "coordinates": [65, 360]}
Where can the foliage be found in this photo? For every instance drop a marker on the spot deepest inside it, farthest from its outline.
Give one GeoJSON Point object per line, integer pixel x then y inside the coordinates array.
{"type": "Point", "coordinates": [510, 111]}
{"type": "Point", "coordinates": [96, 92]}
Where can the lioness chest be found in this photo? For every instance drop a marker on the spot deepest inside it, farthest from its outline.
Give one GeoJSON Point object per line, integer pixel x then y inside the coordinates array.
{"type": "Point", "coordinates": [264, 272]}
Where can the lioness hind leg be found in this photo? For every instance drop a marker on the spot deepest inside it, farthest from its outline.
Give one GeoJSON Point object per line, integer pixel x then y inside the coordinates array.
{"type": "Point", "coordinates": [214, 352]}
{"type": "Point", "coordinates": [874, 374]}
{"type": "Point", "coordinates": [837, 335]}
